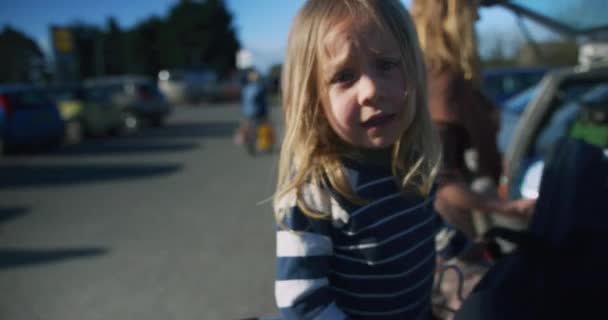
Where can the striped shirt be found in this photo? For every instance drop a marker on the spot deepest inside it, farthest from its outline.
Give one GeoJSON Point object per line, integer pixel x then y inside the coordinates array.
{"type": "Point", "coordinates": [370, 261]}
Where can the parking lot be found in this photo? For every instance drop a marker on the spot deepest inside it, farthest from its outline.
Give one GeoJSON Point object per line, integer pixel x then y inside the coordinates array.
{"type": "Point", "coordinates": [164, 224]}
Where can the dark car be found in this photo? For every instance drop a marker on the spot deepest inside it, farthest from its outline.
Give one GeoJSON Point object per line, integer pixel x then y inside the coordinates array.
{"type": "Point", "coordinates": [31, 118]}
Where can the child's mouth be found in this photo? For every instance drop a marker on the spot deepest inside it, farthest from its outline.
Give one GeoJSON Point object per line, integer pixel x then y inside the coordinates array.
{"type": "Point", "coordinates": [378, 121]}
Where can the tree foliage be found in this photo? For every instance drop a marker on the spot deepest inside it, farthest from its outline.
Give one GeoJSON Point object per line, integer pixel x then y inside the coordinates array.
{"type": "Point", "coordinates": [195, 34]}
{"type": "Point", "coordinates": [88, 49]}
{"type": "Point", "coordinates": [22, 59]}
{"type": "Point", "coordinates": [114, 48]}
{"type": "Point", "coordinates": [200, 34]}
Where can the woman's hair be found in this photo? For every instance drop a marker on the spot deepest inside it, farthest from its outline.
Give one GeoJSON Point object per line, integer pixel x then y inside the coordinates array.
{"type": "Point", "coordinates": [309, 152]}
{"type": "Point", "coordinates": [447, 34]}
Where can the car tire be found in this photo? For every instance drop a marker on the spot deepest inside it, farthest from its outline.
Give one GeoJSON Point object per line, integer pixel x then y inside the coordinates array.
{"type": "Point", "coordinates": [157, 122]}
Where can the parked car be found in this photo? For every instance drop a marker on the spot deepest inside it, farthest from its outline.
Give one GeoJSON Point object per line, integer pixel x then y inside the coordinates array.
{"type": "Point", "coordinates": [227, 90]}
{"type": "Point", "coordinates": [31, 118]}
{"type": "Point", "coordinates": [87, 112]}
{"type": "Point", "coordinates": [510, 114]}
{"type": "Point", "coordinates": [500, 84]}
{"type": "Point", "coordinates": [187, 85]}
{"type": "Point", "coordinates": [138, 98]}
{"type": "Point", "coordinates": [556, 271]}
{"type": "Point", "coordinates": [556, 110]}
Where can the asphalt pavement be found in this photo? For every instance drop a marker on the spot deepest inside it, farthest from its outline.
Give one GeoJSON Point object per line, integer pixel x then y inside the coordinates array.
{"type": "Point", "coordinates": [165, 224]}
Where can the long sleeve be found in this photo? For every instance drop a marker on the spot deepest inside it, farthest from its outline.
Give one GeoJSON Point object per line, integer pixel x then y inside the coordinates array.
{"type": "Point", "coordinates": [304, 248]}
{"type": "Point", "coordinates": [373, 260]}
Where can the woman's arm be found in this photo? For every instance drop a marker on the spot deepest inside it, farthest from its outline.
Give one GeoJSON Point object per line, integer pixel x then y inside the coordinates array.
{"type": "Point", "coordinates": [457, 194]}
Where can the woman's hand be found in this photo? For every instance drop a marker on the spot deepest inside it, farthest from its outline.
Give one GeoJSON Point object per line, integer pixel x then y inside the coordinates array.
{"type": "Point", "coordinates": [521, 207]}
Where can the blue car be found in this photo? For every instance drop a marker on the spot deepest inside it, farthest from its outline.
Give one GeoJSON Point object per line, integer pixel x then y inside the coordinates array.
{"type": "Point", "coordinates": [30, 118]}
{"type": "Point", "coordinates": [560, 106]}
{"type": "Point", "coordinates": [512, 110]}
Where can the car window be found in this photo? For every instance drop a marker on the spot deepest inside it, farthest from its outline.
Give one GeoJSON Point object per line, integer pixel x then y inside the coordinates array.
{"type": "Point", "coordinates": [592, 124]}
{"type": "Point", "coordinates": [563, 112]}
{"type": "Point", "coordinates": [63, 94]}
{"type": "Point", "coordinates": [492, 86]}
{"type": "Point", "coordinates": [558, 122]}
{"type": "Point", "coordinates": [518, 103]}
{"type": "Point", "coordinates": [502, 85]}
{"type": "Point", "coordinates": [597, 94]}
{"type": "Point", "coordinates": [60, 94]}
{"type": "Point", "coordinates": [97, 94]}
{"type": "Point", "coordinates": [27, 98]}
{"type": "Point", "coordinates": [147, 89]}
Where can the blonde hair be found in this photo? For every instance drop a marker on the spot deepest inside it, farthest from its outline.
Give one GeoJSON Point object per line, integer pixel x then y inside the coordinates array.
{"type": "Point", "coordinates": [309, 152]}
{"type": "Point", "coordinates": [447, 35]}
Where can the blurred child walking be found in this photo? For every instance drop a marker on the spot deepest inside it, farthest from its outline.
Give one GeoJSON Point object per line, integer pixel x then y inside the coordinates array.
{"type": "Point", "coordinates": [254, 110]}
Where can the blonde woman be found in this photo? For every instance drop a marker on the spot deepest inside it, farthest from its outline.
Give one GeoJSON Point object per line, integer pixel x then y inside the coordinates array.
{"type": "Point", "coordinates": [465, 119]}
{"type": "Point", "coordinates": [354, 201]}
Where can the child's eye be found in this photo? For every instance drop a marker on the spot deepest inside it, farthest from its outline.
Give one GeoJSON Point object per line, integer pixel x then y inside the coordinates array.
{"type": "Point", "coordinates": [387, 64]}
{"type": "Point", "coordinates": [343, 77]}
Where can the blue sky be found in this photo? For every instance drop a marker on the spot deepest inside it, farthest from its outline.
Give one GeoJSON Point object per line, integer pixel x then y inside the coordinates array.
{"type": "Point", "coordinates": [262, 24]}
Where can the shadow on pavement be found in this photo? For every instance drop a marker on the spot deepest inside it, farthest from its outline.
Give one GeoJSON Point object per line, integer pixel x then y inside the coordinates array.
{"type": "Point", "coordinates": [14, 258]}
{"type": "Point", "coordinates": [211, 129]}
{"type": "Point", "coordinates": [8, 214]}
{"type": "Point", "coordinates": [15, 176]}
{"type": "Point", "coordinates": [113, 147]}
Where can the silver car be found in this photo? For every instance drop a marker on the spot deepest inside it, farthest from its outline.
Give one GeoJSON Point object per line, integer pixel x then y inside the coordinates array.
{"type": "Point", "coordinates": [139, 98]}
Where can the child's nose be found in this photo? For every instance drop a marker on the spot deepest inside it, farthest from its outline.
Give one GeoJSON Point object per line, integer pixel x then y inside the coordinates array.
{"type": "Point", "coordinates": [368, 89]}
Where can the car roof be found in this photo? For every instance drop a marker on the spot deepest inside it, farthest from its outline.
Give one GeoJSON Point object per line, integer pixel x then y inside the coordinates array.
{"type": "Point", "coordinates": [18, 87]}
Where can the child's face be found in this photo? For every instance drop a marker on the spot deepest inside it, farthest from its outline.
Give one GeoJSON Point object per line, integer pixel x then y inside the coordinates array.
{"type": "Point", "coordinates": [365, 88]}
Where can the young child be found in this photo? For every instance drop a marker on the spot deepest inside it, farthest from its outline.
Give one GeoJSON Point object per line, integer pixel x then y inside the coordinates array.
{"type": "Point", "coordinates": [254, 110]}
{"type": "Point", "coordinates": [354, 204]}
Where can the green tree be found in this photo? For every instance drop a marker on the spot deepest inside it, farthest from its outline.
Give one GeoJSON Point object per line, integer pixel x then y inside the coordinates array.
{"type": "Point", "coordinates": [221, 55]}
{"type": "Point", "coordinates": [200, 34]}
{"type": "Point", "coordinates": [22, 59]}
{"type": "Point", "coordinates": [194, 34]}
{"type": "Point", "coordinates": [88, 46]}
{"type": "Point", "coordinates": [114, 51]}
{"type": "Point", "coordinates": [146, 46]}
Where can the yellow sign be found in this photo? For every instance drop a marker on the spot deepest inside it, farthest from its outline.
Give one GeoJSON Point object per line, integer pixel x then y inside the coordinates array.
{"type": "Point", "coordinates": [62, 40]}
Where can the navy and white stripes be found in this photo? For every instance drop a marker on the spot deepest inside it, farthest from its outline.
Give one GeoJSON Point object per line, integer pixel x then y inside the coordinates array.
{"type": "Point", "coordinates": [373, 261]}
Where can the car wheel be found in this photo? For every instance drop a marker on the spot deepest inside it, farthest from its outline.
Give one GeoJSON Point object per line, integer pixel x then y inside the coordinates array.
{"type": "Point", "coordinates": [157, 122]}
{"type": "Point", "coordinates": [73, 132]}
